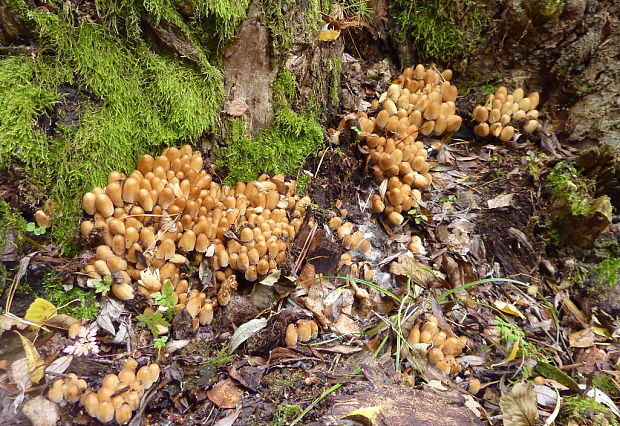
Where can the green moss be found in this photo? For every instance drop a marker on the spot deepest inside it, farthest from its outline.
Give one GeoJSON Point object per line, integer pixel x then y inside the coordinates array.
{"type": "Point", "coordinates": [77, 302]}
{"type": "Point", "coordinates": [226, 15]}
{"type": "Point", "coordinates": [277, 18]}
{"type": "Point", "coordinates": [335, 83]}
{"type": "Point", "coordinates": [605, 384]}
{"type": "Point", "coordinates": [130, 101]}
{"type": "Point", "coordinates": [568, 187]}
{"type": "Point", "coordinates": [280, 382]}
{"type": "Point", "coordinates": [587, 409]}
{"type": "Point", "coordinates": [282, 148]}
{"type": "Point", "coordinates": [284, 414]}
{"type": "Point", "coordinates": [303, 180]}
{"type": "Point", "coordinates": [440, 29]}
{"type": "Point", "coordinates": [605, 273]}
{"type": "Point", "coordinates": [12, 221]}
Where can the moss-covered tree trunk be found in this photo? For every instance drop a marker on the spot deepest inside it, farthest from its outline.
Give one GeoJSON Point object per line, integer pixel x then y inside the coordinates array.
{"type": "Point", "coordinates": [88, 86]}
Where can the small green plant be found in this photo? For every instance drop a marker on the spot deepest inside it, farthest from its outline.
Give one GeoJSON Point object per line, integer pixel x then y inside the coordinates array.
{"type": "Point", "coordinates": [512, 334]}
{"type": "Point", "coordinates": [152, 321]}
{"type": "Point", "coordinates": [36, 230]}
{"type": "Point", "coordinates": [417, 217]}
{"type": "Point", "coordinates": [160, 342]}
{"type": "Point", "coordinates": [284, 413]}
{"type": "Point", "coordinates": [166, 298]}
{"type": "Point", "coordinates": [450, 198]}
{"type": "Point", "coordinates": [102, 285]}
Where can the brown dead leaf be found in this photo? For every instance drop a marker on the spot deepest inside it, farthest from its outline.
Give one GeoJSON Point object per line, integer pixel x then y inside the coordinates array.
{"type": "Point", "coordinates": [340, 349]}
{"type": "Point", "coordinates": [225, 394]}
{"type": "Point", "coordinates": [61, 321]}
{"type": "Point", "coordinates": [582, 339]}
{"type": "Point", "coordinates": [406, 265]}
{"type": "Point", "coordinates": [508, 308]}
{"type": "Point", "coordinates": [519, 406]}
{"type": "Point", "coordinates": [503, 200]}
{"type": "Point", "coordinates": [41, 411]}
{"type": "Point", "coordinates": [236, 107]}
{"type": "Point", "coordinates": [345, 326]}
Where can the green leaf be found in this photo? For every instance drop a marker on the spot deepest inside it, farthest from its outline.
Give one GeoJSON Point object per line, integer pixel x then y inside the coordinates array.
{"type": "Point", "coordinates": [160, 342]}
{"type": "Point", "coordinates": [102, 285]}
{"type": "Point", "coordinates": [166, 298]}
{"type": "Point", "coordinates": [31, 226]}
{"type": "Point", "coordinates": [552, 372]}
{"type": "Point", "coordinates": [151, 321]}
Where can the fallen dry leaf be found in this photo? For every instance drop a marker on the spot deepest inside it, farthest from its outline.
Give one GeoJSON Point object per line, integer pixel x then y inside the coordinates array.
{"type": "Point", "coordinates": [519, 406]}
{"type": "Point", "coordinates": [406, 265]}
{"type": "Point", "coordinates": [225, 394]}
{"type": "Point", "coordinates": [40, 310]}
{"type": "Point", "coordinates": [582, 339]}
{"type": "Point", "coordinates": [473, 405]}
{"type": "Point", "coordinates": [365, 415]}
{"type": "Point", "coordinates": [508, 308]}
{"type": "Point", "coordinates": [41, 411]}
{"type": "Point", "coordinates": [329, 35]}
{"type": "Point", "coordinates": [346, 326]}
{"type": "Point", "coordinates": [35, 364]}
{"type": "Point", "coordinates": [503, 200]}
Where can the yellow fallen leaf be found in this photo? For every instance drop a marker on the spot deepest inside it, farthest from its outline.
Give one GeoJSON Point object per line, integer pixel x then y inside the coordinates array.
{"type": "Point", "coordinates": [365, 415]}
{"type": "Point", "coordinates": [40, 311]}
{"type": "Point", "coordinates": [508, 308]}
{"type": "Point", "coordinates": [511, 356]}
{"type": "Point", "coordinates": [513, 352]}
{"type": "Point", "coordinates": [329, 35]}
{"type": "Point", "coordinates": [35, 365]}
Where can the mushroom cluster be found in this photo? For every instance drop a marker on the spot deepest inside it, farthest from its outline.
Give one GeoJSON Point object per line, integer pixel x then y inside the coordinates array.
{"type": "Point", "coordinates": [420, 102]}
{"type": "Point", "coordinates": [443, 348]}
{"type": "Point", "coordinates": [504, 114]}
{"type": "Point", "coordinates": [302, 331]}
{"type": "Point", "coordinates": [147, 224]}
{"type": "Point", "coordinates": [118, 396]}
{"type": "Point", "coordinates": [350, 240]}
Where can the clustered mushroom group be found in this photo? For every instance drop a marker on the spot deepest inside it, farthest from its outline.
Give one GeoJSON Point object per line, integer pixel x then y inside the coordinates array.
{"type": "Point", "coordinates": [442, 349]}
{"type": "Point", "coordinates": [301, 331]}
{"type": "Point", "coordinates": [170, 209]}
{"type": "Point", "coordinates": [117, 397]}
{"type": "Point", "coordinates": [420, 102]}
{"type": "Point", "coordinates": [504, 114]}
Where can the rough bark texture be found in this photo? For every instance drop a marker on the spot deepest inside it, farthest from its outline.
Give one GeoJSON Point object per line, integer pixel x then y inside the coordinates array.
{"type": "Point", "coordinates": [571, 56]}
{"type": "Point", "coordinates": [249, 71]}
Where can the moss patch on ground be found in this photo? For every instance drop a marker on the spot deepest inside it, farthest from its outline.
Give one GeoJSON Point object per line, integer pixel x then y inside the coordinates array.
{"type": "Point", "coordinates": [587, 409]}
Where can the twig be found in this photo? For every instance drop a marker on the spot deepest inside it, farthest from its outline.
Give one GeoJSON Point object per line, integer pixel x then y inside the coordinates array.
{"type": "Point", "coordinates": [304, 250]}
